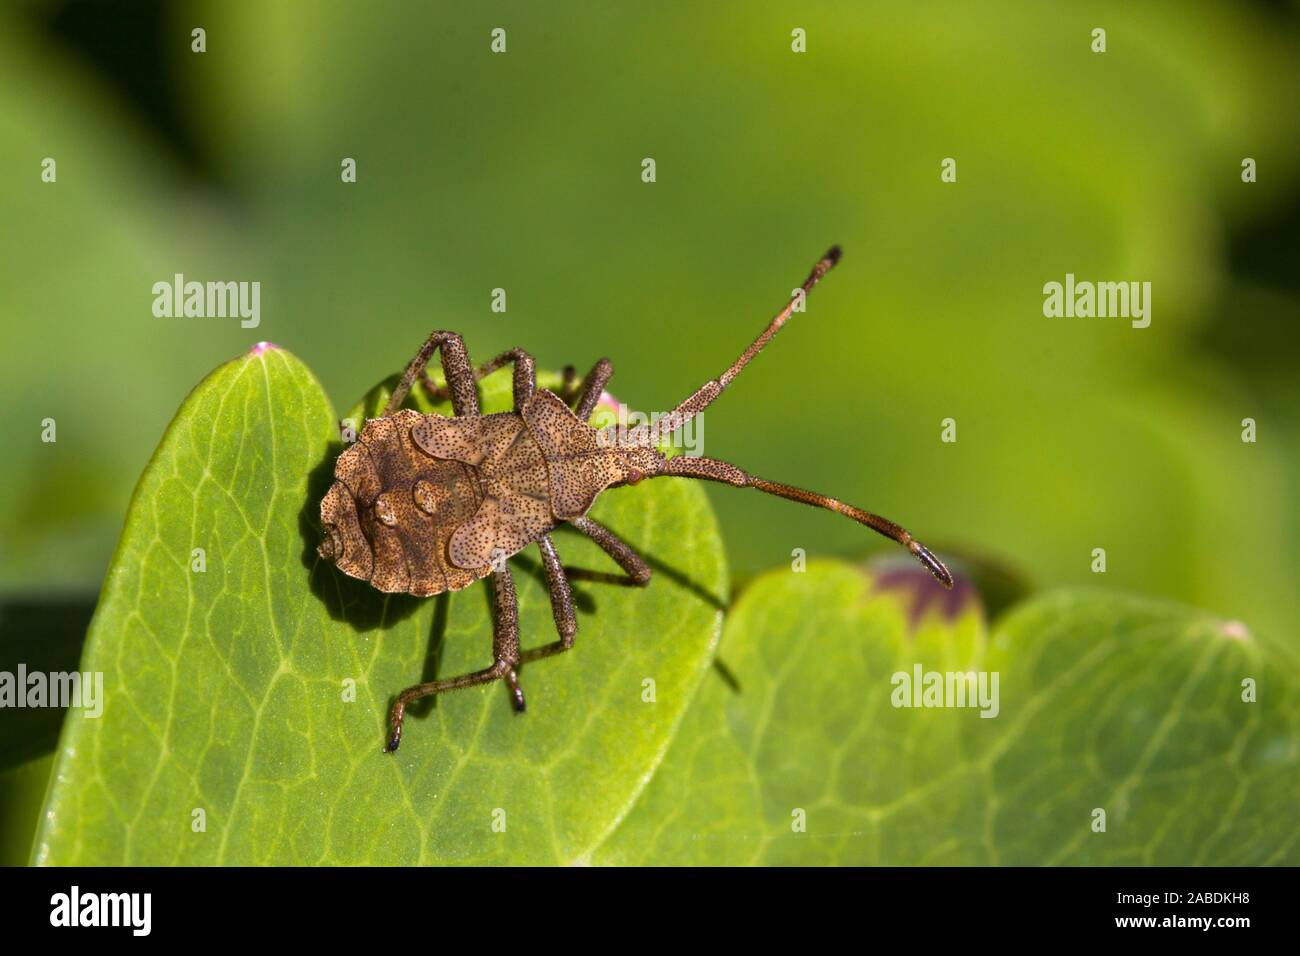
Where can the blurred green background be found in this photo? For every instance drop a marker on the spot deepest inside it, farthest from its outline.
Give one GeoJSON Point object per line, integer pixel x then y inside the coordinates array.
{"type": "Point", "coordinates": [523, 171]}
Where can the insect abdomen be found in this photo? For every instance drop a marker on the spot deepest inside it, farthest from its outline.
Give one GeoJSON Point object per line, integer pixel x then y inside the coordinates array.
{"type": "Point", "coordinates": [393, 509]}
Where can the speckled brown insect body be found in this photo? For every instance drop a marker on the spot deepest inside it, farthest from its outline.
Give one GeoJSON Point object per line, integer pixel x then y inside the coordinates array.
{"type": "Point", "coordinates": [424, 504]}
{"type": "Point", "coordinates": [392, 511]}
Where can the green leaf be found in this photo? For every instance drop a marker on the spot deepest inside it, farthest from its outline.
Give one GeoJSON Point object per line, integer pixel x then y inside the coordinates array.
{"type": "Point", "coordinates": [1127, 705]}
{"type": "Point", "coordinates": [225, 689]}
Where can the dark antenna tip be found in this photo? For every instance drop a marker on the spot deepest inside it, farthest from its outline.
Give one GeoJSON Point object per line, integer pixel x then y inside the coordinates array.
{"type": "Point", "coordinates": [932, 564]}
{"type": "Point", "coordinates": [833, 254]}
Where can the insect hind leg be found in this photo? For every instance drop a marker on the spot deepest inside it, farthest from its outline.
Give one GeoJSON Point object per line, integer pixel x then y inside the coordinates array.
{"type": "Point", "coordinates": [505, 665]}
{"type": "Point", "coordinates": [455, 368]}
{"type": "Point", "coordinates": [525, 376]}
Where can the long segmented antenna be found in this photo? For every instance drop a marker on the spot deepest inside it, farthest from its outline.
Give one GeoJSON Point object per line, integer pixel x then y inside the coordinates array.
{"type": "Point", "coordinates": [711, 469]}
{"type": "Point", "coordinates": [710, 390]}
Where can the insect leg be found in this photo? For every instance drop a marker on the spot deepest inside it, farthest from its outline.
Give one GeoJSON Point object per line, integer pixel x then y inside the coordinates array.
{"type": "Point", "coordinates": [455, 366]}
{"type": "Point", "coordinates": [505, 633]}
{"type": "Point", "coordinates": [525, 381]}
{"type": "Point", "coordinates": [412, 694]}
{"type": "Point", "coordinates": [568, 384]}
{"type": "Point", "coordinates": [505, 653]}
{"type": "Point", "coordinates": [586, 391]}
{"type": "Point", "coordinates": [627, 559]}
{"type": "Point", "coordinates": [566, 620]}
{"type": "Point", "coordinates": [593, 384]}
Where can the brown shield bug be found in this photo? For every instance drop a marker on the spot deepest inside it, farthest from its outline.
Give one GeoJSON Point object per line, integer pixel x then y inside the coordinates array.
{"type": "Point", "coordinates": [424, 504]}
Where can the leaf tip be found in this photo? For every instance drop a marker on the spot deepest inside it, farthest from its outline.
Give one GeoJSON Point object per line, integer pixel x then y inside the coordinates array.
{"type": "Point", "coordinates": [261, 348]}
{"type": "Point", "coordinates": [1234, 630]}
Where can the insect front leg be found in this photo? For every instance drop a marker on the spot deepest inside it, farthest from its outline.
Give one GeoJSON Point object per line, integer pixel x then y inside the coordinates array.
{"type": "Point", "coordinates": [593, 384]}
{"type": "Point", "coordinates": [505, 664]}
{"type": "Point", "coordinates": [627, 559]}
